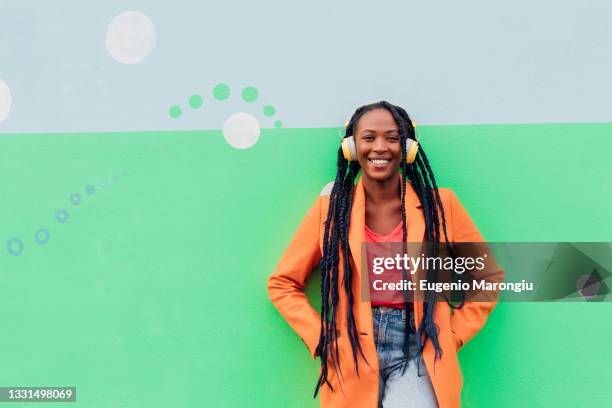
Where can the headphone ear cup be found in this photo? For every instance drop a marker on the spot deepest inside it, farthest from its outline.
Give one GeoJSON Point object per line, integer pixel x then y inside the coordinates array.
{"type": "Point", "coordinates": [349, 150]}
{"type": "Point", "coordinates": [412, 147]}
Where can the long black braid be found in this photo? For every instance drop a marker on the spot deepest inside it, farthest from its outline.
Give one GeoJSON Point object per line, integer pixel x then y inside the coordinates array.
{"type": "Point", "coordinates": [336, 236]}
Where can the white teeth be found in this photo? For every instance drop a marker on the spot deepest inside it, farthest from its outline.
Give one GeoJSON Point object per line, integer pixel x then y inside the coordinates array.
{"type": "Point", "coordinates": [379, 161]}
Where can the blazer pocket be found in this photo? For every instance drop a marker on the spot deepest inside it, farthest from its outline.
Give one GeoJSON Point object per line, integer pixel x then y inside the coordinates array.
{"type": "Point", "coordinates": [315, 353]}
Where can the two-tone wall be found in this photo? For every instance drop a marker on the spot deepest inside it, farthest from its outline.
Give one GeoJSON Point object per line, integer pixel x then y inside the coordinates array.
{"type": "Point", "coordinates": [156, 164]}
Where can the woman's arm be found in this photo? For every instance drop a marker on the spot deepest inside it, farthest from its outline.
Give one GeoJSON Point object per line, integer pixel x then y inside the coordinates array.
{"type": "Point", "coordinates": [286, 284]}
{"type": "Point", "coordinates": [468, 321]}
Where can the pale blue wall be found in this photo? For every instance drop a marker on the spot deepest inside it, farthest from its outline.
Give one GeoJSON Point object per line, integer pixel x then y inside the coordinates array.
{"type": "Point", "coordinates": [448, 62]}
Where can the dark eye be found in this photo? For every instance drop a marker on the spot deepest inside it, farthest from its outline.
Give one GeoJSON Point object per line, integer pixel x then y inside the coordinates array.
{"type": "Point", "coordinates": [393, 138]}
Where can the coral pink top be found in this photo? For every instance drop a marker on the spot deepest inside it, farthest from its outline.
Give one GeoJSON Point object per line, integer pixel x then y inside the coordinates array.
{"type": "Point", "coordinates": [385, 298]}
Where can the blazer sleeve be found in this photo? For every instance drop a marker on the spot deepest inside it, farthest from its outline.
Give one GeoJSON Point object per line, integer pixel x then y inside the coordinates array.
{"type": "Point", "coordinates": [286, 284]}
{"type": "Point", "coordinates": [468, 320]}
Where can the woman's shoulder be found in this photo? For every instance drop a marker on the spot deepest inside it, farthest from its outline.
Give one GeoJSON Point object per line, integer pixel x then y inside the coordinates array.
{"type": "Point", "coordinates": [446, 194]}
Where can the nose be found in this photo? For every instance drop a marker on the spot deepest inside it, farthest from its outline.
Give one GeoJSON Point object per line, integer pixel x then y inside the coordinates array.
{"type": "Point", "coordinates": [380, 145]}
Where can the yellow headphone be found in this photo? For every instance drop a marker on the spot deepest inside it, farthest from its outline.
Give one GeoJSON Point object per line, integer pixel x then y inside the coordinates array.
{"type": "Point", "coordinates": [349, 148]}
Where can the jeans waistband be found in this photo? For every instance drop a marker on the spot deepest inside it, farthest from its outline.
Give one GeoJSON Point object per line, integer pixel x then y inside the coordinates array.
{"type": "Point", "coordinates": [389, 311]}
{"type": "Point", "coordinates": [379, 311]}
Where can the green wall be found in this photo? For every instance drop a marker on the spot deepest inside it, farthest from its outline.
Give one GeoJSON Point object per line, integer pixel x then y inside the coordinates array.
{"type": "Point", "coordinates": [153, 292]}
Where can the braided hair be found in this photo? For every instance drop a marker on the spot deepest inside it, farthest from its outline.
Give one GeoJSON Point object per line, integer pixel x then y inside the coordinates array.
{"type": "Point", "coordinates": [335, 238]}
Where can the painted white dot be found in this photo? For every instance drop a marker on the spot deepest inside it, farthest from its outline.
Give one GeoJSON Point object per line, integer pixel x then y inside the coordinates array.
{"type": "Point", "coordinates": [130, 37]}
{"type": "Point", "coordinates": [5, 101]}
{"type": "Point", "coordinates": [241, 130]}
{"type": "Point", "coordinates": [327, 189]}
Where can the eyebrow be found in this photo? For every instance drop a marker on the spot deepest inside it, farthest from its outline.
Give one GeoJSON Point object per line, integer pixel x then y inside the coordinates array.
{"type": "Point", "coordinates": [386, 131]}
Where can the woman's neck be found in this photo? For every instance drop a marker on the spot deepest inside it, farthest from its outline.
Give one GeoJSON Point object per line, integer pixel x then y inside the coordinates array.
{"type": "Point", "coordinates": [381, 192]}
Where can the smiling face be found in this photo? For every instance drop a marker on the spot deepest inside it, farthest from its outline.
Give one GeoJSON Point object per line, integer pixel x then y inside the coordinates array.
{"type": "Point", "coordinates": [378, 145]}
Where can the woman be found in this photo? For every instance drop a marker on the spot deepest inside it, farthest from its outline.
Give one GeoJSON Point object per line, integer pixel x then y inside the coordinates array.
{"type": "Point", "coordinates": [372, 351]}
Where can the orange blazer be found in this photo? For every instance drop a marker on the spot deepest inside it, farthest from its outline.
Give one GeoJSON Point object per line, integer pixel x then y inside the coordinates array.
{"type": "Point", "coordinates": [286, 291]}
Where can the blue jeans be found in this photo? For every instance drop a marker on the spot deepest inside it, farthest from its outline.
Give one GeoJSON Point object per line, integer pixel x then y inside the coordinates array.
{"type": "Point", "coordinates": [397, 389]}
